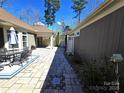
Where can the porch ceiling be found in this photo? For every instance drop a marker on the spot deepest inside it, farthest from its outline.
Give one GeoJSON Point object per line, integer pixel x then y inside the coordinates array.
{"type": "Point", "coordinates": [45, 34]}
{"type": "Point", "coordinates": [5, 23]}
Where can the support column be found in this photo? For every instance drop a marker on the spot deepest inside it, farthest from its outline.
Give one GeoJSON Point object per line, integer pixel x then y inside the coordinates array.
{"type": "Point", "coordinates": [6, 42]}
{"type": "Point", "coordinates": [51, 42]}
{"type": "Point", "coordinates": [20, 41]}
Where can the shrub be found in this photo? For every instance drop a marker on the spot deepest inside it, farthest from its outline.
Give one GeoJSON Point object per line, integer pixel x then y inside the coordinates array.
{"type": "Point", "coordinates": [33, 47]}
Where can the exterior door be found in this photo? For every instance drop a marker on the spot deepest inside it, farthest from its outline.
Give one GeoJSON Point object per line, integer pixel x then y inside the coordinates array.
{"type": "Point", "coordinates": [39, 40]}
{"type": "Point", "coordinates": [1, 38]}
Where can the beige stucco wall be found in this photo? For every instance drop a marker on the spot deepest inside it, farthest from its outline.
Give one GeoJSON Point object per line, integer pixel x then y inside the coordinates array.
{"type": "Point", "coordinates": [6, 45]}
{"type": "Point", "coordinates": [44, 34]}
{"type": "Point", "coordinates": [31, 40]}
{"type": "Point", "coordinates": [31, 37]}
{"type": "Point", "coordinates": [46, 41]}
{"type": "Point", "coordinates": [45, 38]}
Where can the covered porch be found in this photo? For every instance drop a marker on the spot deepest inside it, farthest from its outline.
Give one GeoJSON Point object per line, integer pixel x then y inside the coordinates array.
{"type": "Point", "coordinates": [44, 36]}
{"type": "Point", "coordinates": [44, 39]}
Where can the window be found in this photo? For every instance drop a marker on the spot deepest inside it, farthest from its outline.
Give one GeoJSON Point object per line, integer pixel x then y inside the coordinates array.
{"type": "Point", "coordinates": [25, 39]}
{"type": "Point", "coordinates": [77, 34]}
{"type": "Point", "coordinates": [8, 35]}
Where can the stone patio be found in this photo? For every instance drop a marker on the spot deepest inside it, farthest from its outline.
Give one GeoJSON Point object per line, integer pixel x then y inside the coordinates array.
{"type": "Point", "coordinates": [50, 73]}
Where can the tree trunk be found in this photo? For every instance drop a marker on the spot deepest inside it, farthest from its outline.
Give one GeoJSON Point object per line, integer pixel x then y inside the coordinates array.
{"type": "Point", "coordinates": [79, 14]}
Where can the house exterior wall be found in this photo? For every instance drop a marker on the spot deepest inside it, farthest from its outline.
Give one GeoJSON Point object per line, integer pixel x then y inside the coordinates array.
{"type": "Point", "coordinates": [43, 42]}
{"type": "Point", "coordinates": [31, 40]}
{"type": "Point", "coordinates": [101, 12]}
{"type": "Point", "coordinates": [101, 38]}
{"type": "Point", "coordinates": [44, 39]}
{"type": "Point", "coordinates": [46, 42]}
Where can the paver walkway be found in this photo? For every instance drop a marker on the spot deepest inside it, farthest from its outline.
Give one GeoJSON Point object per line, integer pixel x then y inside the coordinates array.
{"type": "Point", "coordinates": [50, 73]}
{"type": "Point", "coordinates": [61, 77]}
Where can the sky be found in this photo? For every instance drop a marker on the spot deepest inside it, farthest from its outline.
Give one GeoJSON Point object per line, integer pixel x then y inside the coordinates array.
{"type": "Point", "coordinates": [65, 13]}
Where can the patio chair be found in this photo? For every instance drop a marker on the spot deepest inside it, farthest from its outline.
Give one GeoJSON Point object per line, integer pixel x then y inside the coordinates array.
{"type": "Point", "coordinates": [18, 60]}
{"type": "Point", "coordinates": [4, 58]}
{"type": "Point", "coordinates": [3, 50]}
{"type": "Point", "coordinates": [27, 52]}
{"type": "Point", "coordinates": [3, 63]}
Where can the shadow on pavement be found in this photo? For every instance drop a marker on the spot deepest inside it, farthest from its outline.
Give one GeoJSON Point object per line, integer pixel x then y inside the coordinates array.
{"type": "Point", "coordinates": [61, 78]}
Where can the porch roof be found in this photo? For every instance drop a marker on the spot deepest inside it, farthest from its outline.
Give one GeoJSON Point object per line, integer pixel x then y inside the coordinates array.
{"type": "Point", "coordinates": [10, 20]}
{"type": "Point", "coordinates": [41, 29]}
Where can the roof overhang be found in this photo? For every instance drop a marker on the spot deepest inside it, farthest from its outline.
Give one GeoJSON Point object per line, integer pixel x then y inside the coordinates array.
{"type": "Point", "coordinates": [5, 23]}
{"type": "Point", "coordinates": [106, 8]}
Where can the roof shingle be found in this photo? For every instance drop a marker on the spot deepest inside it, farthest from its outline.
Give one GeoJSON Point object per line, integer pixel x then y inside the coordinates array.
{"type": "Point", "coordinates": [39, 28]}
{"type": "Point", "coordinates": [7, 17]}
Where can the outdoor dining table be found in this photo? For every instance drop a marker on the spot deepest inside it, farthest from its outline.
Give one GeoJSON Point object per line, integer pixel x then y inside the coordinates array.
{"type": "Point", "coordinates": [10, 55]}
